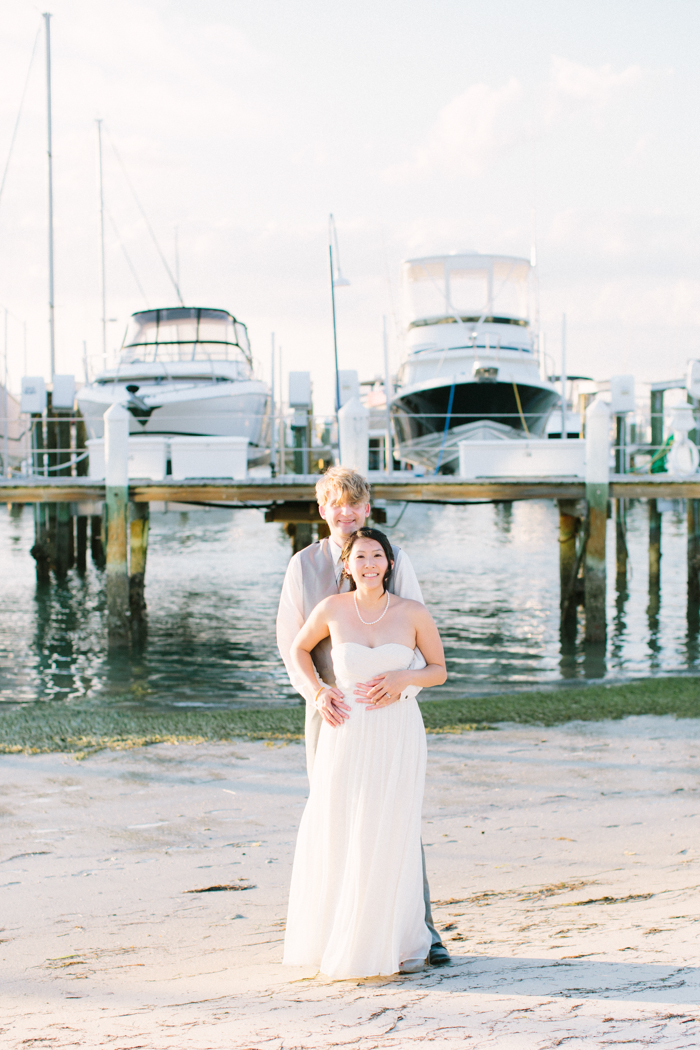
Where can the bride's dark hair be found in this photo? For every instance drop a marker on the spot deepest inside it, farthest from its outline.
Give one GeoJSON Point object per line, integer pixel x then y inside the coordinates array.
{"type": "Point", "coordinates": [368, 534]}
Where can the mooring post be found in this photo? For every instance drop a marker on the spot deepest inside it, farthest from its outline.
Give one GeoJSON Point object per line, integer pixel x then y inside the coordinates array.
{"type": "Point", "coordinates": [81, 469]}
{"type": "Point", "coordinates": [597, 483]}
{"type": "Point", "coordinates": [116, 506]}
{"type": "Point", "coordinates": [657, 440]}
{"type": "Point", "coordinates": [693, 518]}
{"type": "Point", "coordinates": [52, 466]}
{"type": "Point", "coordinates": [97, 545]}
{"type": "Point", "coordinates": [620, 505]}
{"type": "Point", "coordinates": [654, 547]}
{"type": "Point", "coordinates": [64, 544]}
{"type": "Point", "coordinates": [40, 550]}
{"type": "Point", "coordinates": [569, 523]}
{"type": "Point", "coordinates": [138, 549]}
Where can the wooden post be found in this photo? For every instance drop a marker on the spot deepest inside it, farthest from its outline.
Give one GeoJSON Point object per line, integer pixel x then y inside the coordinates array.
{"type": "Point", "coordinates": [52, 464]}
{"type": "Point", "coordinates": [40, 550]}
{"type": "Point", "coordinates": [569, 524]}
{"type": "Point", "coordinates": [654, 548]}
{"type": "Point", "coordinates": [116, 505]}
{"type": "Point", "coordinates": [300, 533]}
{"type": "Point", "coordinates": [138, 548]}
{"type": "Point", "coordinates": [621, 552]}
{"type": "Point", "coordinates": [620, 506]}
{"type": "Point", "coordinates": [597, 482]}
{"type": "Point", "coordinates": [81, 469]}
{"type": "Point", "coordinates": [64, 557]}
{"type": "Point", "coordinates": [97, 540]}
{"type": "Point", "coordinates": [693, 517]}
{"type": "Point", "coordinates": [81, 532]}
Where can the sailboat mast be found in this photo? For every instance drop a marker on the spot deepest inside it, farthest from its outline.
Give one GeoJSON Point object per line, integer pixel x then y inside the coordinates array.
{"type": "Point", "coordinates": [52, 335]}
{"type": "Point", "coordinates": [102, 245]}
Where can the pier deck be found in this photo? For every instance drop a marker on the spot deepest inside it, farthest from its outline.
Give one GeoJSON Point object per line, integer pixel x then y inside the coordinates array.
{"type": "Point", "coordinates": [297, 488]}
{"type": "Point", "coordinates": [119, 535]}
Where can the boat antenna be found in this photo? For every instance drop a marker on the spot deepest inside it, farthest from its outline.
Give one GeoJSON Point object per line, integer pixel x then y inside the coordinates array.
{"type": "Point", "coordinates": [19, 116]}
{"type": "Point", "coordinates": [102, 244]}
{"type": "Point", "coordinates": [145, 219]}
{"type": "Point", "coordinates": [52, 332]}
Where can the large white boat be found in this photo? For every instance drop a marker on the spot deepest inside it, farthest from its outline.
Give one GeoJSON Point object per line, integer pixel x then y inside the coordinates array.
{"type": "Point", "coordinates": [184, 371]}
{"type": "Point", "coordinates": [471, 369]}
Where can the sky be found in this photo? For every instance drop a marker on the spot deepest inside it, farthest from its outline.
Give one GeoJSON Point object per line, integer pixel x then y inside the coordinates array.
{"type": "Point", "coordinates": [424, 127]}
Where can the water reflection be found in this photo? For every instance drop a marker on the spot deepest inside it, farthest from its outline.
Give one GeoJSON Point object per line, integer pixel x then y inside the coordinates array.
{"type": "Point", "coordinates": [213, 581]}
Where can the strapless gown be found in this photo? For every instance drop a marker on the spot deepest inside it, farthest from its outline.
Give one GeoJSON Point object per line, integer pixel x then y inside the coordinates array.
{"type": "Point", "coordinates": [356, 904]}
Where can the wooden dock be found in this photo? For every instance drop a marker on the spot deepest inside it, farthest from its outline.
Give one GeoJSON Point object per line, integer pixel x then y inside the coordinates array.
{"type": "Point", "coordinates": [296, 488]}
{"type": "Point", "coordinates": [120, 529]}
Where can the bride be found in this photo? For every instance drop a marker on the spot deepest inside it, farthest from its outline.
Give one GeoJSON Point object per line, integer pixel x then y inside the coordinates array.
{"type": "Point", "coordinates": [356, 904]}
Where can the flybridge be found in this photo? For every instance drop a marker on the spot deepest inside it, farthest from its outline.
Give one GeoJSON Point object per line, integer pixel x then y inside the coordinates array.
{"type": "Point", "coordinates": [469, 320]}
{"type": "Point", "coordinates": [467, 287]}
{"type": "Point", "coordinates": [185, 333]}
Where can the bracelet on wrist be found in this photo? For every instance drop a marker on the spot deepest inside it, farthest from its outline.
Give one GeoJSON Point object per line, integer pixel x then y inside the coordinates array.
{"type": "Point", "coordinates": [318, 694]}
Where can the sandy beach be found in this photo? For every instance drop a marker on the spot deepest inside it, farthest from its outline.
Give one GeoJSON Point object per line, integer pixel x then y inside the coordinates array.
{"type": "Point", "coordinates": [563, 865]}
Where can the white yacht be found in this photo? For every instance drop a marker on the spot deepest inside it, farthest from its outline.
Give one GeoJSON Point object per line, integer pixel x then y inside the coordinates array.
{"type": "Point", "coordinates": [184, 371]}
{"type": "Point", "coordinates": [471, 369]}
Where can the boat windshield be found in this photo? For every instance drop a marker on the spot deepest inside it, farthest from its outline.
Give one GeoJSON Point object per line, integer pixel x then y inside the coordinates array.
{"type": "Point", "coordinates": [469, 287]}
{"type": "Point", "coordinates": [185, 334]}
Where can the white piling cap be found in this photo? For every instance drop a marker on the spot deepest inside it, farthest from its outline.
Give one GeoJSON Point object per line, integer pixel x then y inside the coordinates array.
{"type": "Point", "coordinates": [116, 446]}
{"type": "Point", "coordinates": [353, 432]}
{"type": "Point", "coordinates": [598, 442]}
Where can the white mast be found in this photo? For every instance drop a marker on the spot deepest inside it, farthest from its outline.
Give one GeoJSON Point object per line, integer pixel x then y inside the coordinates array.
{"type": "Point", "coordinates": [6, 422]}
{"type": "Point", "coordinates": [47, 22]}
{"type": "Point", "coordinates": [103, 273]}
{"type": "Point", "coordinates": [563, 377]}
{"type": "Point", "coordinates": [273, 451]}
{"type": "Point", "coordinates": [389, 450]}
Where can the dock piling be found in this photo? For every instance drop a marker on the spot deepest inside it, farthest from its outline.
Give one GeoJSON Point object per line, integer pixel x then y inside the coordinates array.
{"type": "Point", "coordinates": [116, 505]}
{"type": "Point", "coordinates": [597, 485]}
{"type": "Point", "coordinates": [40, 548]}
{"type": "Point", "coordinates": [693, 518]}
{"type": "Point", "coordinates": [654, 547]}
{"type": "Point", "coordinates": [569, 526]}
{"type": "Point", "coordinates": [81, 521]}
{"type": "Point", "coordinates": [138, 549]}
{"type": "Point", "coordinates": [621, 552]}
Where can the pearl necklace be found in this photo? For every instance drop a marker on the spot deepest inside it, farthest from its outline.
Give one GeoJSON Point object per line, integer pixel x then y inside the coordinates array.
{"type": "Point", "coordinates": [370, 623]}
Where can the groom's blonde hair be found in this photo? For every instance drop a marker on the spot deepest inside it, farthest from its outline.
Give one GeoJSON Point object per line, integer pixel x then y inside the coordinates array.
{"type": "Point", "coordinates": [341, 485]}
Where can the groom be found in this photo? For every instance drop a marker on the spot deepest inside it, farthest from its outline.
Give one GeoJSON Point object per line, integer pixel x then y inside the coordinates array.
{"type": "Point", "coordinates": [314, 574]}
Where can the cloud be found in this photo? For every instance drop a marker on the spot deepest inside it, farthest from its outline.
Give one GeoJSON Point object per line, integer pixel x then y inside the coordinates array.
{"type": "Point", "coordinates": [466, 134]}
{"type": "Point", "coordinates": [573, 85]}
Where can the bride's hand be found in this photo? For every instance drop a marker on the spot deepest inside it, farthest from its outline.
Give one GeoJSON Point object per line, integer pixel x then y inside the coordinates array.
{"type": "Point", "coordinates": [329, 704]}
{"type": "Point", "coordinates": [383, 690]}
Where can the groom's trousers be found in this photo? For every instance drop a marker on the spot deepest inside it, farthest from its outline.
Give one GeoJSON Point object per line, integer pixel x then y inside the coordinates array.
{"type": "Point", "coordinates": [312, 730]}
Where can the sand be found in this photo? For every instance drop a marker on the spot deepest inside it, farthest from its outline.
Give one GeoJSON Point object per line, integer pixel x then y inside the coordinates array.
{"type": "Point", "coordinates": [563, 866]}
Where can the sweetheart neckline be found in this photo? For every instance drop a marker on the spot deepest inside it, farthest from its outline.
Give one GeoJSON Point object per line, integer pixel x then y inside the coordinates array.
{"type": "Point", "coordinates": [373, 647]}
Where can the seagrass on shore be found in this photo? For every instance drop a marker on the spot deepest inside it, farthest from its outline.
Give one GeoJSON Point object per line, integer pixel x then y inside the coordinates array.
{"type": "Point", "coordinates": [47, 727]}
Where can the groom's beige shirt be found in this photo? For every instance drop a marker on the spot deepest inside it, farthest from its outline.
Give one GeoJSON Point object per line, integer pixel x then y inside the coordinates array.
{"type": "Point", "coordinates": [291, 618]}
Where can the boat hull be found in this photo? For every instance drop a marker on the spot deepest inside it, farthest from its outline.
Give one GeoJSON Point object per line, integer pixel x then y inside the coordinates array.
{"type": "Point", "coordinates": [210, 411]}
{"type": "Point", "coordinates": [479, 410]}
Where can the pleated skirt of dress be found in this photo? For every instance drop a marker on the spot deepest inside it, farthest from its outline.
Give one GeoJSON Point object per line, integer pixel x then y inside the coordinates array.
{"type": "Point", "coordinates": [356, 904]}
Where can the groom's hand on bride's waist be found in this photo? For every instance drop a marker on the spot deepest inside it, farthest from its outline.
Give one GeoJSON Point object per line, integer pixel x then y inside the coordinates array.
{"type": "Point", "coordinates": [331, 705]}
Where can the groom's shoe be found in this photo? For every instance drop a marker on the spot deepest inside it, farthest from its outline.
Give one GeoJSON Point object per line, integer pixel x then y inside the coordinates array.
{"type": "Point", "coordinates": [438, 955]}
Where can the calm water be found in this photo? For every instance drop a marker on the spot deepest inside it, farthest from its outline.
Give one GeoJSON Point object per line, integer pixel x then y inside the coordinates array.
{"type": "Point", "coordinates": [489, 574]}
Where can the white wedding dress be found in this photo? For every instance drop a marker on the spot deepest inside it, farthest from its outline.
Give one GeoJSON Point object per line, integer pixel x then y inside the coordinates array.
{"type": "Point", "coordinates": [356, 904]}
